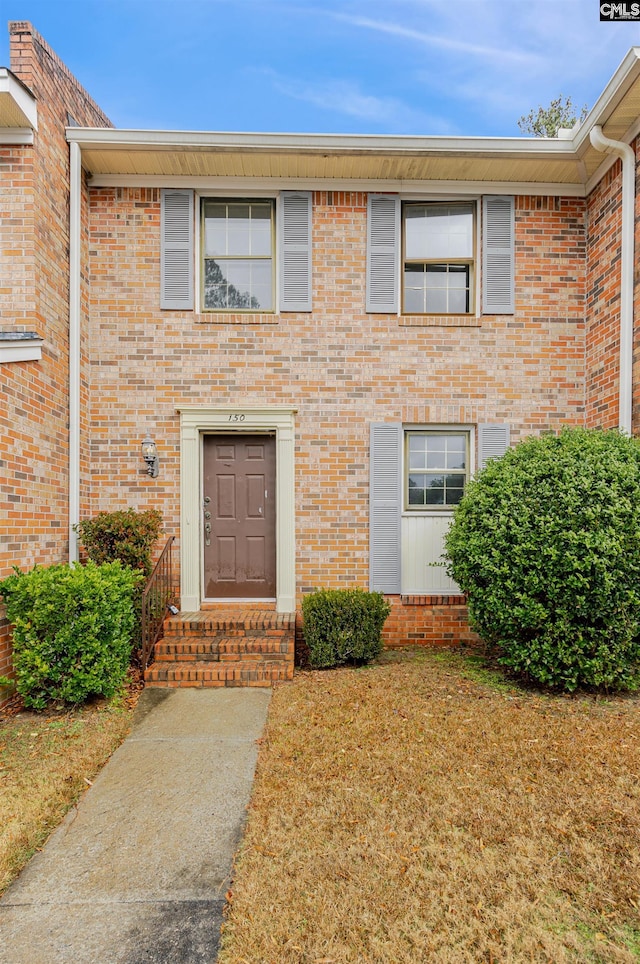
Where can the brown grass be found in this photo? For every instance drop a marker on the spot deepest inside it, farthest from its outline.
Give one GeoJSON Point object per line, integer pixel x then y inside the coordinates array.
{"type": "Point", "coordinates": [417, 811]}
{"type": "Point", "coordinates": [46, 762]}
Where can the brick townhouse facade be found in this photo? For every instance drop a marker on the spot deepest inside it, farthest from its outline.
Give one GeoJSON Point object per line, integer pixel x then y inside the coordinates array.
{"type": "Point", "coordinates": [324, 336]}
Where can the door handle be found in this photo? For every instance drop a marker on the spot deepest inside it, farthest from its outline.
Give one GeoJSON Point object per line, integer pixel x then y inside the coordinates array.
{"type": "Point", "coordinates": [207, 530]}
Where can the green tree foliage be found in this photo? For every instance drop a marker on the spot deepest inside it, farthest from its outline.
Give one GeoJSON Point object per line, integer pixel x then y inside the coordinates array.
{"type": "Point", "coordinates": [546, 545]}
{"type": "Point", "coordinates": [545, 121]}
{"type": "Point", "coordinates": [343, 626]}
{"type": "Point", "coordinates": [72, 630]}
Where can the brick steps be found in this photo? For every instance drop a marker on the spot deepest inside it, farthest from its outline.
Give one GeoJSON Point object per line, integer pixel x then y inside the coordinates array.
{"type": "Point", "coordinates": [226, 647]}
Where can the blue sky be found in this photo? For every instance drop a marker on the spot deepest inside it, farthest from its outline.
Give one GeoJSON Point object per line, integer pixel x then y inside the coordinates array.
{"type": "Point", "coordinates": [470, 67]}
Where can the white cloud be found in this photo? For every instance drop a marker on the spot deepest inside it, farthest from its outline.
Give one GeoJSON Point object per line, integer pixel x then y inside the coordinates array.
{"type": "Point", "coordinates": [346, 97]}
{"type": "Point", "coordinates": [438, 41]}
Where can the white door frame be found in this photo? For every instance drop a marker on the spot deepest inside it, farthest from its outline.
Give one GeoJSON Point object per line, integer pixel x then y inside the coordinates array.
{"type": "Point", "coordinates": [194, 423]}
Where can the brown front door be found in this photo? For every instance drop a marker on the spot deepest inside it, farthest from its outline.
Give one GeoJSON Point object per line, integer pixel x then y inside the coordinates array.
{"type": "Point", "coordinates": [239, 493]}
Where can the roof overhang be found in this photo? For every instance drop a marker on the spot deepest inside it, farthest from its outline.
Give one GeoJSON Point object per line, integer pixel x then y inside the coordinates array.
{"type": "Point", "coordinates": [18, 111]}
{"type": "Point", "coordinates": [540, 165]}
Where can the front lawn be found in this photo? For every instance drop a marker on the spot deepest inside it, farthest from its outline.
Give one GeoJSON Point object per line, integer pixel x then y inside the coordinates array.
{"type": "Point", "coordinates": [415, 811]}
{"type": "Point", "coordinates": [47, 760]}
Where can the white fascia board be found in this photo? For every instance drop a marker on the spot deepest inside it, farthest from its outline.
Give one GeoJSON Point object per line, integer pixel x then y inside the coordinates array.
{"type": "Point", "coordinates": [16, 136]}
{"type": "Point", "coordinates": [20, 349]}
{"type": "Point", "coordinates": [383, 144]}
{"type": "Point", "coordinates": [268, 186]}
{"type": "Point", "coordinates": [21, 97]}
{"type": "Point", "coordinates": [626, 74]}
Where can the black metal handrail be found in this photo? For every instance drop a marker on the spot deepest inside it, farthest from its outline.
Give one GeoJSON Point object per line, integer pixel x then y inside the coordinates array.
{"type": "Point", "coordinates": [158, 594]}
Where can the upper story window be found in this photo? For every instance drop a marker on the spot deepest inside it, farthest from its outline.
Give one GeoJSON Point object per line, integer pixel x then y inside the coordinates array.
{"type": "Point", "coordinates": [237, 250]}
{"type": "Point", "coordinates": [437, 469]}
{"type": "Point", "coordinates": [438, 258]}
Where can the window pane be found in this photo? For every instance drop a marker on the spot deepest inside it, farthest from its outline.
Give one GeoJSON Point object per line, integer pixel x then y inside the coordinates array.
{"type": "Point", "coordinates": [435, 489]}
{"type": "Point", "coordinates": [438, 231]}
{"type": "Point", "coordinates": [414, 303]}
{"type": "Point", "coordinates": [458, 302]}
{"type": "Point", "coordinates": [415, 228]}
{"type": "Point", "coordinates": [231, 284]}
{"type": "Point", "coordinates": [215, 229]}
{"type": "Point", "coordinates": [416, 490]}
{"type": "Point", "coordinates": [437, 301]}
{"type": "Point", "coordinates": [436, 275]}
{"type": "Point", "coordinates": [261, 230]}
{"type": "Point", "coordinates": [458, 276]}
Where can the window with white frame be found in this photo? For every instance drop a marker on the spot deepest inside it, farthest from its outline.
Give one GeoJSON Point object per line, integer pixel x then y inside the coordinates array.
{"type": "Point", "coordinates": [237, 252]}
{"type": "Point", "coordinates": [436, 469]}
{"type": "Point", "coordinates": [438, 257]}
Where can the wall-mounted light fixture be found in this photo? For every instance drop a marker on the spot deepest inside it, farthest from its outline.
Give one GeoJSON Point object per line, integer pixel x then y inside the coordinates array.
{"type": "Point", "coordinates": [150, 455]}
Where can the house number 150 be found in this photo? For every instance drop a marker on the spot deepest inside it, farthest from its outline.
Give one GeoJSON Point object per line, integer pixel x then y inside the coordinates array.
{"type": "Point", "coordinates": [237, 417]}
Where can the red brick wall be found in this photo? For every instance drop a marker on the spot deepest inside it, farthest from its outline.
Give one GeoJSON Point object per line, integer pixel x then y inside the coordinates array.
{"type": "Point", "coordinates": [34, 242]}
{"type": "Point", "coordinates": [604, 219]}
{"type": "Point", "coordinates": [338, 366]}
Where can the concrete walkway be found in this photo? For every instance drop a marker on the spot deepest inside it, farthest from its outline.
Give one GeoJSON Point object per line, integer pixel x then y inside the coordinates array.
{"type": "Point", "coordinates": [138, 871]}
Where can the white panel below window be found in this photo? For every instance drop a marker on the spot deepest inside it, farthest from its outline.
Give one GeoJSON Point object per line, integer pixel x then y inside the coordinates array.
{"type": "Point", "coordinates": [423, 569]}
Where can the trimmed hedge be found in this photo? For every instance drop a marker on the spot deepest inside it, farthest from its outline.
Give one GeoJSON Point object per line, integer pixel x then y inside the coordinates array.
{"type": "Point", "coordinates": [126, 535]}
{"type": "Point", "coordinates": [546, 545]}
{"type": "Point", "coordinates": [72, 634]}
{"type": "Point", "coordinates": [343, 626]}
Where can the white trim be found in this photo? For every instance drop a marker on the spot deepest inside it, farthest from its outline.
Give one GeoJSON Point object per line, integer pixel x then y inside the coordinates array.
{"type": "Point", "coordinates": [22, 98]}
{"type": "Point", "coordinates": [300, 143]}
{"type": "Point", "coordinates": [212, 186]}
{"type": "Point", "coordinates": [16, 136]}
{"type": "Point", "coordinates": [75, 279]}
{"type": "Point", "coordinates": [194, 423]}
{"type": "Point", "coordinates": [20, 350]}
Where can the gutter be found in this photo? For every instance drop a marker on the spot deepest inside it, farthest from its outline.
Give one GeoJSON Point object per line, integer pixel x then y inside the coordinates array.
{"type": "Point", "coordinates": [627, 155]}
{"type": "Point", "coordinates": [75, 236]}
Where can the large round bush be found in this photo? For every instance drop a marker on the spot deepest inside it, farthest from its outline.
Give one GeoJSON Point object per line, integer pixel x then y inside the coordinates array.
{"type": "Point", "coordinates": [72, 630]}
{"type": "Point", "coordinates": [546, 545]}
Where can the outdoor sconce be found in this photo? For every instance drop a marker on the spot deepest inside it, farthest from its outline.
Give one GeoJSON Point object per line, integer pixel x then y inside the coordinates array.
{"type": "Point", "coordinates": [150, 455]}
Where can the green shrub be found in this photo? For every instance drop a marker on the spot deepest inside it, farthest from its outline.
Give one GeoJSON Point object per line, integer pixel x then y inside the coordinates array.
{"type": "Point", "coordinates": [546, 545]}
{"type": "Point", "coordinates": [126, 535]}
{"type": "Point", "coordinates": [72, 630]}
{"type": "Point", "coordinates": [343, 625]}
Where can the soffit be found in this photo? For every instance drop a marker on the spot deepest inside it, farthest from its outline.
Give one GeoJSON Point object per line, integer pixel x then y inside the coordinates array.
{"type": "Point", "coordinates": [337, 164]}
{"type": "Point", "coordinates": [17, 103]}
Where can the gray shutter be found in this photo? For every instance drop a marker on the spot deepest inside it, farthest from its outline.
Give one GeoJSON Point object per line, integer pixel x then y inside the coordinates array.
{"type": "Point", "coordinates": [294, 243]}
{"type": "Point", "coordinates": [385, 507]}
{"type": "Point", "coordinates": [176, 249]}
{"type": "Point", "coordinates": [493, 442]}
{"type": "Point", "coordinates": [498, 255]}
{"type": "Point", "coordinates": [383, 253]}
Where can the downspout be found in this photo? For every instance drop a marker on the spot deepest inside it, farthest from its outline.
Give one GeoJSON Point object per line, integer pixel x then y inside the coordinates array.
{"type": "Point", "coordinates": [75, 237]}
{"type": "Point", "coordinates": [627, 155]}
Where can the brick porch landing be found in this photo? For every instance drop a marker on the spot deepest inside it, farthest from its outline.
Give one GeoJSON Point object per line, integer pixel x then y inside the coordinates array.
{"type": "Point", "coordinates": [231, 645]}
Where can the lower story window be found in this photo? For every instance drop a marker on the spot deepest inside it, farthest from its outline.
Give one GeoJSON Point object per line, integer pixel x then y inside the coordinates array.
{"type": "Point", "coordinates": [436, 469]}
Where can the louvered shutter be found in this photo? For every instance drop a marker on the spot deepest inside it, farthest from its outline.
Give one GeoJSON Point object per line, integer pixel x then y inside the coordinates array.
{"type": "Point", "coordinates": [385, 507]}
{"type": "Point", "coordinates": [176, 249]}
{"type": "Point", "coordinates": [294, 241]}
{"type": "Point", "coordinates": [383, 253]}
{"type": "Point", "coordinates": [498, 256]}
{"type": "Point", "coordinates": [493, 442]}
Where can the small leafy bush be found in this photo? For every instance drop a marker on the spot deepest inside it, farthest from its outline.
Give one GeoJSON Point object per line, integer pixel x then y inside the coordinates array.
{"type": "Point", "coordinates": [546, 545]}
{"type": "Point", "coordinates": [126, 535]}
{"type": "Point", "coordinates": [343, 625]}
{"type": "Point", "coordinates": [72, 630]}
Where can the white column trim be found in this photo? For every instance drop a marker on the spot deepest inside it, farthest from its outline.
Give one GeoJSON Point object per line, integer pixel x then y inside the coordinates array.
{"type": "Point", "coordinates": [194, 423]}
{"type": "Point", "coordinates": [75, 245]}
